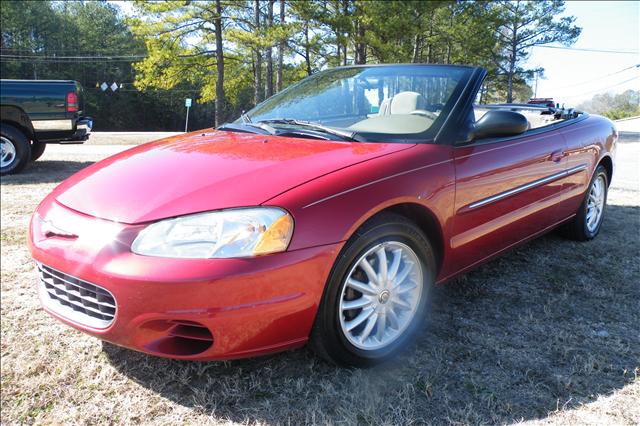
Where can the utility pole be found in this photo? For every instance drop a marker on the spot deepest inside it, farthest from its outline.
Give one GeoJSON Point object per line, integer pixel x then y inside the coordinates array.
{"type": "Point", "coordinates": [535, 91]}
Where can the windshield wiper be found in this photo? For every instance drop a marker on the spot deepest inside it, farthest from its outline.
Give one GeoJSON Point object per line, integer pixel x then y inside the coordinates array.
{"type": "Point", "coordinates": [344, 135]}
{"type": "Point", "coordinates": [245, 117]}
{"type": "Point", "coordinates": [265, 129]}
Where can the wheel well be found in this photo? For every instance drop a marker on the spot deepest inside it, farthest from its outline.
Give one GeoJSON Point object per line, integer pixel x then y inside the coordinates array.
{"type": "Point", "coordinates": [26, 132]}
{"type": "Point", "coordinates": [426, 221]}
{"type": "Point", "coordinates": [17, 118]}
{"type": "Point", "coordinates": [608, 164]}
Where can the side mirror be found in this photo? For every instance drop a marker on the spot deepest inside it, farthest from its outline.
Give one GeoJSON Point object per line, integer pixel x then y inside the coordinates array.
{"type": "Point", "coordinates": [498, 123]}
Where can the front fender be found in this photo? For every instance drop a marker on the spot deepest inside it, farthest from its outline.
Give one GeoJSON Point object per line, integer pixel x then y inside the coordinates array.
{"type": "Point", "coordinates": [331, 208]}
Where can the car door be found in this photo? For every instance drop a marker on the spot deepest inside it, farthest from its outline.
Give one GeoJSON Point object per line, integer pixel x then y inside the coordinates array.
{"type": "Point", "coordinates": [506, 191]}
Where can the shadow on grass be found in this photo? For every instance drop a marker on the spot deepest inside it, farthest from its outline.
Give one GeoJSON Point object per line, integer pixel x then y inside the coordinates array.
{"type": "Point", "coordinates": [45, 171]}
{"type": "Point", "coordinates": [551, 325]}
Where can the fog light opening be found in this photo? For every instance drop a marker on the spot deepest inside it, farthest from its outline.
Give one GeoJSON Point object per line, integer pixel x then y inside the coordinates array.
{"type": "Point", "coordinates": [181, 338]}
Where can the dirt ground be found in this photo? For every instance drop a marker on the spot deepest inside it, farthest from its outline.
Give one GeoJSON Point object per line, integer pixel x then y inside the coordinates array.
{"type": "Point", "coordinates": [547, 334]}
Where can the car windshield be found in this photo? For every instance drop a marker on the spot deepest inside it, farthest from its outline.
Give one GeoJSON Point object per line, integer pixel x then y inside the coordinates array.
{"type": "Point", "coordinates": [375, 103]}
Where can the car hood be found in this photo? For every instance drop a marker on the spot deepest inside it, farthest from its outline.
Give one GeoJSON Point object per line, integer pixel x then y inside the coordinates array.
{"type": "Point", "coordinates": [199, 171]}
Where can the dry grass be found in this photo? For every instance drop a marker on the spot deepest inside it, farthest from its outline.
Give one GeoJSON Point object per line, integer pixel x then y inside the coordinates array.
{"type": "Point", "coordinates": [549, 333]}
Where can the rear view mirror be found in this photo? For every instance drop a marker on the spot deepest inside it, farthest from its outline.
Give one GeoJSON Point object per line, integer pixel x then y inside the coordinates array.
{"type": "Point", "coordinates": [499, 123]}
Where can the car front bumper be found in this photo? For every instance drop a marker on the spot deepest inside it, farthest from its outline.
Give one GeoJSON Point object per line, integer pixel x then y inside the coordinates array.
{"type": "Point", "coordinates": [199, 309]}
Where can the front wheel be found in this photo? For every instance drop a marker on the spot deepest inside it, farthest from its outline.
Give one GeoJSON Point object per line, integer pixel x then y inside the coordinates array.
{"type": "Point", "coordinates": [588, 220]}
{"type": "Point", "coordinates": [377, 293]}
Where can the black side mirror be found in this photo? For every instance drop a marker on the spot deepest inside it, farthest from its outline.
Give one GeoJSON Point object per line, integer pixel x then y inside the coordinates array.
{"type": "Point", "coordinates": [499, 123]}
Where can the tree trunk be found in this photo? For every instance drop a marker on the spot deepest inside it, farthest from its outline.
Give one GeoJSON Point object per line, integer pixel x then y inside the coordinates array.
{"type": "Point", "coordinates": [307, 50]}
{"type": "Point", "coordinates": [361, 47]}
{"type": "Point", "coordinates": [345, 11]}
{"type": "Point", "coordinates": [429, 47]}
{"type": "Point", "coordinates": [269, 74]}
{"type": "Point", "coordinates": [280, 52]}
{"type": "Point", "coordinates": [512, 67]}
{"type": "Point", "coordinates": [513, 54]}
{"type": "Point", "coordinates": [417, 48]}
{"type": "Point", "coordinates": [257, 67]}
{"type": "Point", "coordinates": [220, 97]}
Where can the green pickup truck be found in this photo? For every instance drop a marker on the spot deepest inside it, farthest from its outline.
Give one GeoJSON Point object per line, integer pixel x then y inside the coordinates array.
{"type": "Point", "coordinates": [34, 113]}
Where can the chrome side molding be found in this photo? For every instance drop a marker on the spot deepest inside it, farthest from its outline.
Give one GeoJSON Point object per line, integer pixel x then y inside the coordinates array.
{"type": "Point", "coordinates": [525, 187]}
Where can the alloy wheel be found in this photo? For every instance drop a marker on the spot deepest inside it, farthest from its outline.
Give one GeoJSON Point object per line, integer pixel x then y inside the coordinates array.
{"type": "Point", "coordinates": [7, 152]}
{"type": "Point", "coordinates": [595, 204]}
{"type": "Point", "coordinates": [381, 295]}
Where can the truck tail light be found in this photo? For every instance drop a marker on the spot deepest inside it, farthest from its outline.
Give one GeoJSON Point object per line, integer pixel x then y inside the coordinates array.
{"type": "Point", "coordinates": [72, 102]}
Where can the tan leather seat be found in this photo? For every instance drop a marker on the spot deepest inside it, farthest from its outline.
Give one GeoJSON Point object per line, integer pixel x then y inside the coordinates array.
{"type": "Point", "coordinates": [407, 102]}
{"type": "Point", "coordinates": [402, 103]}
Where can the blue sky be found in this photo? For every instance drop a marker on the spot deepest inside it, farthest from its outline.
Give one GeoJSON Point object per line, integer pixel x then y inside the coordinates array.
{"type": "Point", "coordinates": [572, 76]}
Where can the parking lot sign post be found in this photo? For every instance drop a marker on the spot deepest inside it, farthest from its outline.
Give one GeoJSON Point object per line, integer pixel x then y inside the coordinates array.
{"type": "Point", "coordinates": [187, 103]}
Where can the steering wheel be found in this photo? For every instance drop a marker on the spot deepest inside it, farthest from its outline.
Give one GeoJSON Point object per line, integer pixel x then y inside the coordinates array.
{"type": "Point", "coordinates": [424, 113]}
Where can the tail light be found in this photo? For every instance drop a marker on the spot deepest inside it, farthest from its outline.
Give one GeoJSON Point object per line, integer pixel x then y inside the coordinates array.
{"type": "Point", "coordinates": [72, 102]}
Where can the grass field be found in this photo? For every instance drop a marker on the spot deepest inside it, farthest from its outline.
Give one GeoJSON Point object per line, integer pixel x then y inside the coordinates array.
{"type": "Point", "coordinates": [549, 333]}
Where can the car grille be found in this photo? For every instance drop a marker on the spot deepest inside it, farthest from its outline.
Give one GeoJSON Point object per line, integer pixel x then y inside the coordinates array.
{"type": "Point", "coordinates": [75, 299]}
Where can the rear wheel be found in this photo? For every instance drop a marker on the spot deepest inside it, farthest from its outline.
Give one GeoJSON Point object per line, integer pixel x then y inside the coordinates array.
{"type": "Point", "coordinates": [588, 220]}
{"type": "Point", "coordinates": [376, 296]}
{"type": "Point", "coordinates": [37, 149]}
{"type": "Point", "coordinates": [14, 150]}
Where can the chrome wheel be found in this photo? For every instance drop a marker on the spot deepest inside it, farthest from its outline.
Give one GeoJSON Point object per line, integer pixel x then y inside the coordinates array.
{"type": "Point", "coordinates": [7, 152]}
{"type": "Point", "coordinates": [381, 295]}
{"type": "Point", "coordinates": [595, 204]}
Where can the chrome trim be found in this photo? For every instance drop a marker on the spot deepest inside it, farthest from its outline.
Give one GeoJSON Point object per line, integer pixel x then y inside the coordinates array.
{"type": "Point", "coordinates": [77, 300]}
{"type": "Point", "coordinates": [52, 125]}
{"type": "Point", "coordinates": [525, 187]}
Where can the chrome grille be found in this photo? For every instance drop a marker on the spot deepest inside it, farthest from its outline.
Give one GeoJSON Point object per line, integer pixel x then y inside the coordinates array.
{"type": "Point", "coordinates": [75, 299]}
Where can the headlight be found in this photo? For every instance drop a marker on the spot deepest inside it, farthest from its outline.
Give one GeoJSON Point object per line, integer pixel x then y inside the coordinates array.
{"type": "Point", "coordinates": [220, 234]}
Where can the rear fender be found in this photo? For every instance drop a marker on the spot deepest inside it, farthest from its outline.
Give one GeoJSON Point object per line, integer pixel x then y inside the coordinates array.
{"type": "Point", "coordinates": [17, 117]}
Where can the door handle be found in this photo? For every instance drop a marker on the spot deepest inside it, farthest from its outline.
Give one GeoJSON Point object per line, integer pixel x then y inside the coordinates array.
{"type": "Point", "coordinates": [557, 156]}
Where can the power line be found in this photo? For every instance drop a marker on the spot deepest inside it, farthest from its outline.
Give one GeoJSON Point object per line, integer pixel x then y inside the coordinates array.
{"type": "Point", "coordinates": [627, 52]}
{"type": "Point", "coordinates": [40, 61]}
{"type": "Point", "coordinates": [603, 89]}
{"type": "Point", "coordinates": [58, 58]}
{"type": "Point", "coordinates": [48, 50]}
{"type": "Point", "coordinates": [601, 77]}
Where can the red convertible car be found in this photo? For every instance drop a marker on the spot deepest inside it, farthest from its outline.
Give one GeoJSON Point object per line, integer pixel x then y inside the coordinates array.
{"type": "Point", "coordinates": [324, 214]}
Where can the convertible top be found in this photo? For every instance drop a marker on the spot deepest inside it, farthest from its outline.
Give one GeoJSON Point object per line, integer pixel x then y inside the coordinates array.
{"type": "Point", "coordinates": [537, 115]}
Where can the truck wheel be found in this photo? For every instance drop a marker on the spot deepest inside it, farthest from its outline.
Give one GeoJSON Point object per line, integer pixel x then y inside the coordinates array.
{"type": "Point", "coordinates": [37, 149]}
{"type": "Point", "coordinates": [15, 150]}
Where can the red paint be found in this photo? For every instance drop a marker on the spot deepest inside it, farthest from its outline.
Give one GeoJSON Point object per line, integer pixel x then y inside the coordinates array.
{"type": "Point", "coordinates": [265, 304]}
{"type": "Point", "coordinates": [195, 172]}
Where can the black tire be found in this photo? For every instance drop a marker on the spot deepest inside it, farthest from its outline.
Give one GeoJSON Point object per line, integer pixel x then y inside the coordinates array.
{"type": "Point", "coordinates": [15, 140]}
{"type": "Point", "coordinates": [37, 149]}
{"type": "Point", "coordinates": [327, 337]}
{"type": "Point", "coordinates": [578, 228]}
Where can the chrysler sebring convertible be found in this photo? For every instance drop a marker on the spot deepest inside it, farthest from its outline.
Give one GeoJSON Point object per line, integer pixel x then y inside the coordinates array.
{"type": "Point", "coordinates": [323, 215]}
